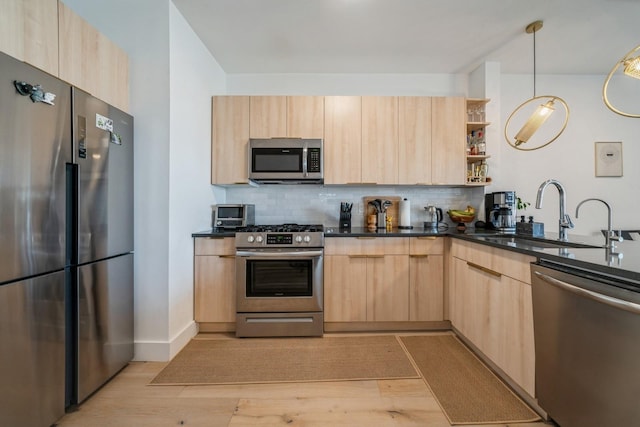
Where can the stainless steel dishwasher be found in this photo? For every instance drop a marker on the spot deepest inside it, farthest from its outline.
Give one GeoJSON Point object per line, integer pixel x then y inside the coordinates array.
{"type": "Point", "coordinates": [587, 346]}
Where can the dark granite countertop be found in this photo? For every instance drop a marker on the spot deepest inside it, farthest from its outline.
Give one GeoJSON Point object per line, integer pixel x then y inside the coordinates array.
{"type": "Point", "coordinates": [215, 232]}
{"type": "Point", "coordinates": [383, 232]}
{"type": "Point", "coordinates": [623, 264]}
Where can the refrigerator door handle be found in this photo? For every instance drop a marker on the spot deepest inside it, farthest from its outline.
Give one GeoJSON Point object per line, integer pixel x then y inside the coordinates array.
{"type": "Point", "coordinates": [82, 137]}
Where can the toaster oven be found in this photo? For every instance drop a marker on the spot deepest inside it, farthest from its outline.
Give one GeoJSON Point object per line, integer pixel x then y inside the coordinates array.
{"type": "Point", "coordinates": [233, 216]}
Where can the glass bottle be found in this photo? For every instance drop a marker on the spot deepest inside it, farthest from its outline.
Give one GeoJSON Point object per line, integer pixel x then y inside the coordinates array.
{"type": "Point", "coordinates": [484, 171]}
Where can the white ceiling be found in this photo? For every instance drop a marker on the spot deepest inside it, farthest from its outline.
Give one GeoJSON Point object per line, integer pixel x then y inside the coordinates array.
{"type": "Point", "coordinates": [413, 36]}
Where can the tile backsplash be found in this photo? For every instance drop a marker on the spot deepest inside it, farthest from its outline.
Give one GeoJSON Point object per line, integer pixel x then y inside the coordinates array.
{"type": "Point", "coordinates": [318, 204]}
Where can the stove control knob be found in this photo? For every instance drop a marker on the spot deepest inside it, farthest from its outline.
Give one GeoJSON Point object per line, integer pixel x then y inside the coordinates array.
{"type": "Point", "coordinates": [298, 239]}
{"type": "Point", "coordinates": [250, 239]}
{"type": "Point", "coordinates": [259, 239]}
{"type": "Point", "coordinates": [307, 239]}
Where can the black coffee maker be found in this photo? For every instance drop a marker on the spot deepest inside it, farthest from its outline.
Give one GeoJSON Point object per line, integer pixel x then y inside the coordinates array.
{"type": "Point", "coordinates": [500, 210]}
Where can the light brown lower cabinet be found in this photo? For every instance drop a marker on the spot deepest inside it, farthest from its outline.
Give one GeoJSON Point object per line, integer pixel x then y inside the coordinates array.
{"type": "Point", "coordinates": [385, 279]}
{"type": "Point", "coordinates": [215, 274]}
{"type": "Point", "coordinates": [426, 279]}
{"type": "Point", "coordinates": [490, 304]}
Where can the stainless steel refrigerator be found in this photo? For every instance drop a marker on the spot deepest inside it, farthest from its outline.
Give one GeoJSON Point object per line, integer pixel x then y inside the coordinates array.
{"type": "Point", "coordinates": [66, 244]}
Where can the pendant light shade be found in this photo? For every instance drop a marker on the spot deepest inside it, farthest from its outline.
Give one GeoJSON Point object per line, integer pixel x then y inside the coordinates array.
{"type": "Point", "coordinates": [631, 68]}
{"type": "Point", "coordinates": [541, 114]}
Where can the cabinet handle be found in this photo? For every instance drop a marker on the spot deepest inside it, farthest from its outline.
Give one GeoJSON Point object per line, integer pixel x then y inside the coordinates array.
{"type": "Point", "coordinates": [427, 237]}
{"type": "Point", "coordinates": [227, 256]}
{"type": "Point", "coordinates": [419, 256]}
{"type": "Point", "coordinates": [484, 269]}
{"type": "Point", "coordinates": [362, 183]}
{"type": "Point", "coordinates": [215, 237]}
{"type": "Point", "coordinates": [365, 237]}
{"type": "Point", "coordinates": [366, 256]}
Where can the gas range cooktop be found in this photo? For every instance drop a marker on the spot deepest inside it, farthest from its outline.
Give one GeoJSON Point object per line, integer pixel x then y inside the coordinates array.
{"type": "Point", "coordinates": [282, 228]}
{"type": "Point", "coordinates": [280, 236]}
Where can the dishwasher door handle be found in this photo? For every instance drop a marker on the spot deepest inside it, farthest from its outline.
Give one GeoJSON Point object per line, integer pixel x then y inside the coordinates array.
{"type": "Point", "coordinates": [594, 296]}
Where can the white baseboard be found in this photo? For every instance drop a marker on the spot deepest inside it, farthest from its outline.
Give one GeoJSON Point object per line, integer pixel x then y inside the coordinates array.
{"type": "Point", "coordinates": [164, 351]}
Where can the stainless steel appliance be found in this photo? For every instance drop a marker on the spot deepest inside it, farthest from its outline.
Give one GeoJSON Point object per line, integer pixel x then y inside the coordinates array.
{"type": "Point", "coordinates": [279, 280]}
{"type": "Point", "coordinates": [586, 328]}
{"type": "Point", "coordinates": [102, 243]}
{"type": "Point", "coordinates": [35, 146]}
{"type": "Point", "coordinates": [286, 161]}
{"type": "Point", "coordinates": [233, 216]}
{"type": "Point", "coordinates": [66, 323]}
{"type": "Point", "coordinates": [433, 217]}
{"type": "Point", "coordinates": [500, 209]}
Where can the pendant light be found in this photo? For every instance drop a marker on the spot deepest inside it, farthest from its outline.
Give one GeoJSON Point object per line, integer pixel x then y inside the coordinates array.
{"type": "Point", "coordinates": [631, 69]}
{"type": "Point", "coordinates": [541, 114]}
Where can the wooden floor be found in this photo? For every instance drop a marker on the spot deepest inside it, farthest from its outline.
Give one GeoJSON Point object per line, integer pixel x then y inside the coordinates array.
{"type": "Point", "coordinates": [128, 400]}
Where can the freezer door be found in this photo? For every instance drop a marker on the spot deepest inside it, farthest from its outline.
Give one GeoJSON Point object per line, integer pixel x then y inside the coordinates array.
{"type": "Point", "coordinates": [32, 355]}
{"type": "Point", "coordinates": [105, 321]}
{"type": "Point", "coordinates": [35, 145]}
{"type": "Point", "coordinates": [103, 151]}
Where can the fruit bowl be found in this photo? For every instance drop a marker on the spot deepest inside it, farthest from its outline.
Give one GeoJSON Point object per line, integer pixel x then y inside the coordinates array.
{"type": "Point", "coordinates": [462, 217]}
{"type": "Point", "coordinates": [457, 217]}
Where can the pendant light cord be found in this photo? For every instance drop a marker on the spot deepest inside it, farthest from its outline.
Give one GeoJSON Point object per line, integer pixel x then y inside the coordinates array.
{"type": "Point", "coordinates": [534, 63]}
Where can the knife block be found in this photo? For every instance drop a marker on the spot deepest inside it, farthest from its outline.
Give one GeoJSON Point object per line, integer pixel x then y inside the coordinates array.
{"type": "Point", "coordinates": [345, 220]}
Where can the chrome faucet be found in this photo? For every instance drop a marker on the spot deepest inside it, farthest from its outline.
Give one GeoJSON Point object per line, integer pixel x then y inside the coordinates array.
{"type": "Point", "coordinates": [611, 235]}
{"type": "Point", "coordinates": [565, 220]}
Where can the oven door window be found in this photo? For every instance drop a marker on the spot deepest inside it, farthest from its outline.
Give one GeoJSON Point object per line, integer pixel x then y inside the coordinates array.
{"type": "Point", "coordinates": [279, 278]}
{"type": "Point", "coordinates": [276, 160]}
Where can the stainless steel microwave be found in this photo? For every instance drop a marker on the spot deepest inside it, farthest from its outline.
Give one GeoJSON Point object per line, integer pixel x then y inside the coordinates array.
{"type": "Point", "coordinates": [286, 161]}
{"type": "Point", "coordinates": [233, 216]}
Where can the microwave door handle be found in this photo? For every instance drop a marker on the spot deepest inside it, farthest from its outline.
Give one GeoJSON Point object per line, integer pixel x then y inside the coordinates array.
{"type": "Point", "coordinates": [304, 161]}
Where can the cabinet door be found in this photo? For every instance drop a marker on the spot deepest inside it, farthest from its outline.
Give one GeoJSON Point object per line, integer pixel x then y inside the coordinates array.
{"type": "Point", "coordinates": [426, 287]}
{"type": "Point", "coordinates": [388, 288]}
{"type": "Point", "coordinates": [380, 139]}
{"type": "Point", "coordinates": [229, 138]}
{"type": "Point", "coordinates": [305, 116]}
{"type": "Point", "coordinates": [448, 162]}
{"type": "Point", "coordinates": [345, 289]}
{"type": "Point", "coordinates": [414, 140]}
{"type": "Point", "coordinates": [517, 358]}
{"type": "Point", "coordinates": [215, 290]}
{"type": "Point", "coordinates": [268, 117]}
{"type": "Point", "coordinates": [90, 61]}
{"type": "Point", "coordinates": [343, 139]}
{"type": "Point", "coordinates": [29, 32]}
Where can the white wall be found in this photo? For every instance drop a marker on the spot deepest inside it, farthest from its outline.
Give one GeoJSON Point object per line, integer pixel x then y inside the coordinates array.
{"type": "Point", "coordinates": [348, 84]}
{"type": "Point", "coordinates": [194, 76]}
{"type": "Point", "coordinates": [570, 159]}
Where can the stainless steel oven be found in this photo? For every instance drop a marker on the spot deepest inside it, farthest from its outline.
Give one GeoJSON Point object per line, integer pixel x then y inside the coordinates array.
{"type": "Point", "coordinates": [279, 281]}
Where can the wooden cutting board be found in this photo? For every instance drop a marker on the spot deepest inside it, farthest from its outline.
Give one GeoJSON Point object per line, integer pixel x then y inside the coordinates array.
{"type": "Point", "coordinates": [392, 211]}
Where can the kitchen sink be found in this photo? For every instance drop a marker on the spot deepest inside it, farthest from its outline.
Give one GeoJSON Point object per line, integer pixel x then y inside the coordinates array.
{"type": "Point", "coordinates": [532, 242]}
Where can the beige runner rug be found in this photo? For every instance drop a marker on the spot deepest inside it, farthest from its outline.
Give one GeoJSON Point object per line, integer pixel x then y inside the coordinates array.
{"type": "Point", "coordinates": [268, 360]}
{"type": "Point", "coordinates": [467, 391]}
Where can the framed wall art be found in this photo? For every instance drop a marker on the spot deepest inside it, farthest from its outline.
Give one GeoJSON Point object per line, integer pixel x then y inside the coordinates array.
{"type": "Point", "coordinates": [608, 158]}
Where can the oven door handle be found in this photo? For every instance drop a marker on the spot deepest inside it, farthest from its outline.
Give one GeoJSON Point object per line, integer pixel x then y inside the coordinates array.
{"type": "Point", "coordinates": [291, 254]}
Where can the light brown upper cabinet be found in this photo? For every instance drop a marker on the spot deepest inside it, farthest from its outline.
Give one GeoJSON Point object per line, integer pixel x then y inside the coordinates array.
{"type": "Point", "coordinates": [229, 137]}
{"type": "Point", "coordinates": [287, 116]}
{"type": "Point", "coordinates": [29, 32]}
{"type": "Point", "coordinates": [380, 139]}
{"type": "Point", "coordinates": [448, 118]}
{"type": "Point", "coordinates": [414, 148]}
{"type": "Point", "coordinates": [90, 61]}
{"type": "Point", "coordinates": [342, 139]}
